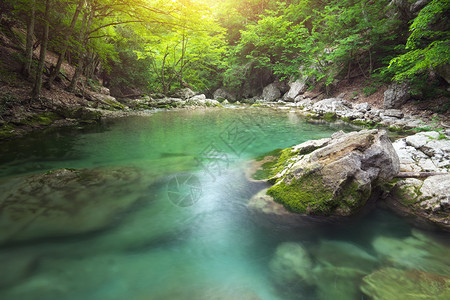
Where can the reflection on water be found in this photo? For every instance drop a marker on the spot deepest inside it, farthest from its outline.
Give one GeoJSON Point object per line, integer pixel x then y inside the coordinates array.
{"type": "Point", "coordinates": [183, 230]}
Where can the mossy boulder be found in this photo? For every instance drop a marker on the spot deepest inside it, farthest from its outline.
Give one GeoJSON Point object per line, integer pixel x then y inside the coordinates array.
{"type": "Point", "coordinates": [82, 114]}
{"type": "Point", "coordinates": [333, 176]}
{"type": "Point", "coordinates": [391, 283]}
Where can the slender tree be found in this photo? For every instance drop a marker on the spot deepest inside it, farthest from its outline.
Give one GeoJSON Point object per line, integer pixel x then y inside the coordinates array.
{"type": "Point", "coordinates": [29, 39]}
{"type": "Point", "coordinates": [36, 93]}
{"type": "Point", "coordinates": [65, 45]}
{"type": "Point", "coordinates": [82, 39]}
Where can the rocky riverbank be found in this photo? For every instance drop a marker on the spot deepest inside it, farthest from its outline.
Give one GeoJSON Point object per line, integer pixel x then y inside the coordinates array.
{"type": "Point", "coordinates": [361, 114]}
{"type": "Point", "coordinates": [91, 106]}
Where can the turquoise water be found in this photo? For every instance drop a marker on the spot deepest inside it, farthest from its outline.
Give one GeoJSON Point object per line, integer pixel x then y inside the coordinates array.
{"type": "Point", "coordinates": [180, 227]}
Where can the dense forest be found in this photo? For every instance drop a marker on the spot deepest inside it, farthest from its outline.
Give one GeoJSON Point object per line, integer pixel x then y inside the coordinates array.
{"type": "Point", "coordinates": [148, 46]}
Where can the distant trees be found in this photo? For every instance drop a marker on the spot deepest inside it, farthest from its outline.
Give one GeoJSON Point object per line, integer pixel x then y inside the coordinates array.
{"type": "Point", "coordinates": [164, 45]}
{"type": "Point", "coordinates": [178, 36]}
{"type": "Point", "coordinates": [332, 40]}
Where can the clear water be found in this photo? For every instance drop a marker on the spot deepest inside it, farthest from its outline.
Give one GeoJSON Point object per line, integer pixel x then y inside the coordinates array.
{"type": "Point", "coordinates": [189, 234]}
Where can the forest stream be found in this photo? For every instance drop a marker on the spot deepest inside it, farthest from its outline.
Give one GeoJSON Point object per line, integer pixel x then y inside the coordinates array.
{"type": "Point", "coordinates": [161, 213]}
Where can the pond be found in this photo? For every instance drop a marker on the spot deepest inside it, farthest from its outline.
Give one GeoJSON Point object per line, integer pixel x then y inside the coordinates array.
{"type": "Point", "coordinates": [159, 211]}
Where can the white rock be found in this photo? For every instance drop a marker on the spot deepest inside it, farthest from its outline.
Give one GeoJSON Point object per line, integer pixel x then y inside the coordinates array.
{"type": "Point", "coordinates": [296, 88]}
{"type": "Point", "coordinates": [363, 107]}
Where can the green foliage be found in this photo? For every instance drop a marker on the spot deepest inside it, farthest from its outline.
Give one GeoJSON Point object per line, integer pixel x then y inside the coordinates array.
{"type": "Point", "coordinates": [428, 46]}
{"type": "Point", "coordinates": [329, 40]}
{"type": "Point", "coordinates": [187, 55]}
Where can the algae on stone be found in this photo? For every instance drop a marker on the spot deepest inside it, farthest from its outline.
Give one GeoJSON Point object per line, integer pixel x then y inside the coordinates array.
{"type": "Point", "coordinates": [390, 283]}
{"type": "Point", "coordinates": [304, 195]}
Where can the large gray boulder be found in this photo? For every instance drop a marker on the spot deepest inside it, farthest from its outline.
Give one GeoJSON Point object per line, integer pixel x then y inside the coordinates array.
{"type": "Point", "coordinates": [185, 93]}
{"type": "Point", "coordinates": [396, 95]}
{"type": "Point", "coordinates": [103, 101]}
{"type": "Point", "coordinates": [221, 94]}
{"type": "Point", "coordinates": [271, 92]}
{"type": "Point", "coordinates": [333, 105]}
{"type": "Point", "coordinates": [296, 88]}
{"type": "Point", "coordinates": [337, 177]}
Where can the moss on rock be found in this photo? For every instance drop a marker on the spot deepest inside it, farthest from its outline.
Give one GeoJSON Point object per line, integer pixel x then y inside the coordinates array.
{"type": "Point", "coordinates": [7, 131]}
{"type": "Point", "coordinates": [307, 195]}
{"type": "Point", "coordinates": [390, 283]}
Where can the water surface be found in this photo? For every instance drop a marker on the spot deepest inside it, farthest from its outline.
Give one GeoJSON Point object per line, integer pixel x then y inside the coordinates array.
{"type": "Point", "coordinates": [187, 233]}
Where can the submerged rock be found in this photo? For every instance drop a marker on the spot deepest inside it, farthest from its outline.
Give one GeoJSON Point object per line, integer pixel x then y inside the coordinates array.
{"type": "Point", "coordinates": [345, 255]}
{"type": "Point", "coordinates": [340, 267]}
{"type": "Point", "coordinates": [337, 283]}
{"type": "Point", "coordinates": [338, 177]}
{"type": "Point", "coordinates": [333, 269]}
{"type": "Point", "coordinates": [291, 264]}
{"type": "Point", "coordinates": [390, 283]}
{"type": "Point", "coordinates": [65, 202]}
{"type": "Point", "coordinates": [416, 252]}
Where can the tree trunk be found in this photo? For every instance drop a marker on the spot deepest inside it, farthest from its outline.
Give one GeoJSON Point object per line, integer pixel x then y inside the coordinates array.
{"type": "Point", "coordinates": [65, 45]}
{"type": "Point", "coordinates": [29, 42]}
{"type": "Point", "coordinates": [87, 22]}
{"type": "Point", "coordinates": [36, 93]}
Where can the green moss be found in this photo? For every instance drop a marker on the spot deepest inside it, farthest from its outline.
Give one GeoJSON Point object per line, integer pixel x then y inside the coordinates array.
{"type": "Point", "coordinates": [307, 194]}
{"type": "Point", "coordinates": [406, 196]}
{"type": "Point", "coordinates": [115, 105]}
{"type": "Point", "coordinates": [396, 129]}
{"type": "Point", "coordinates": [352, 197]}
{"type": "Point", "coordinates": [277, 160]}
{"type": "Point", "coordinates": [268, 168]}
{"type": "Point", "coordinates": [442, 136]}
{"type": "Point", "coordinates": [47, 118]}
{"type": "Point", "coordinates": [362, 122]}
{"type": "Point", "coordinates": [7, 131]}
{"type": "Point", "coordinates": [329, 117]}
{"type": "Point", "coordinates": [44, 119]}
{"type": "Point", "coordinates": [275, 153]}
{"type": "Point", "coordinates": [140, 106]}
{"type": "Point", "coordinates": [346, 119]}
{"type": "Point", "coordinates": [284, 159]}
